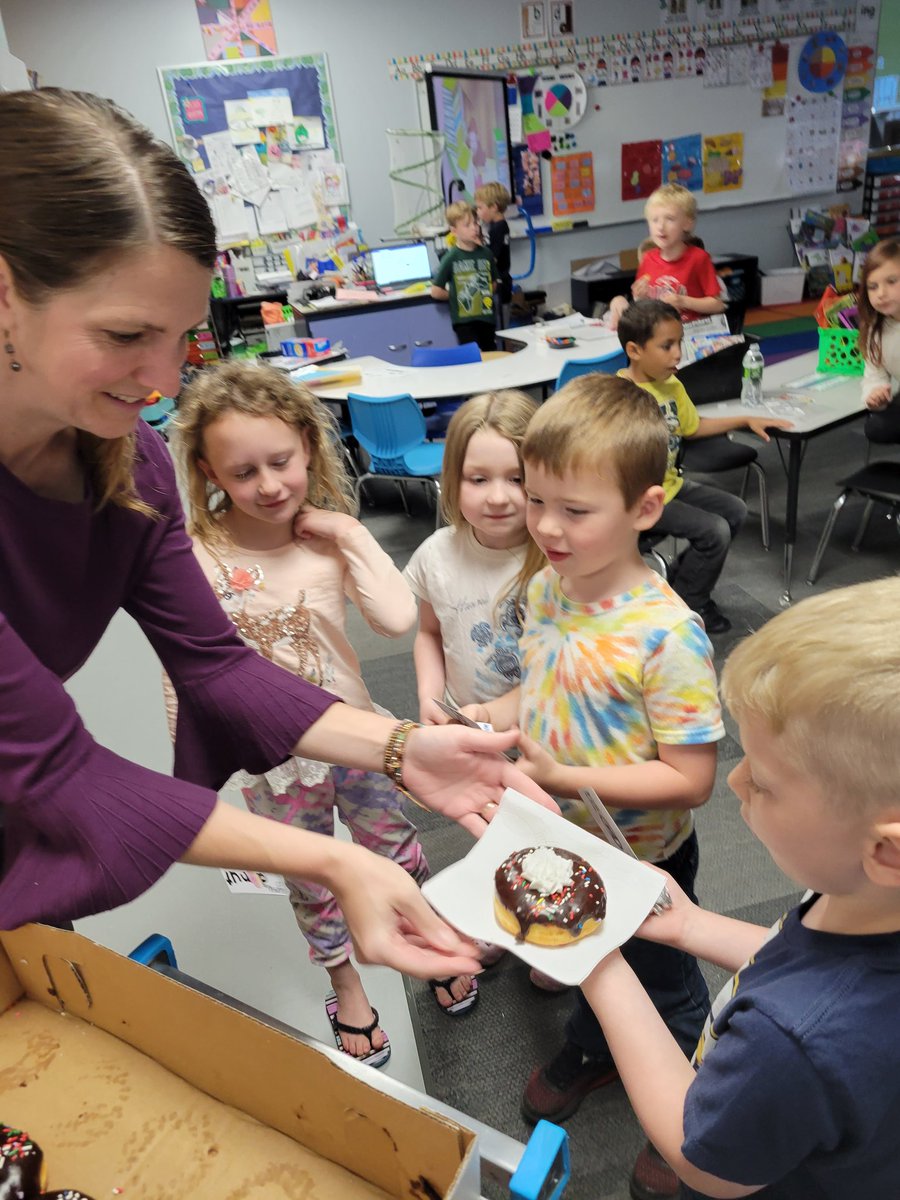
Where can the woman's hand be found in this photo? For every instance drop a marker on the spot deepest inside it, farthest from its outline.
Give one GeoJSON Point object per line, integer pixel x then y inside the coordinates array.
{"type": "Point", "coordinates": [391, 922]}
{"type": "Point", "coordinates": [879, 398]}
{"type": "Point", "coordinates": [462, 773]}
{"type": "Point", "coordinates": [322, 522]}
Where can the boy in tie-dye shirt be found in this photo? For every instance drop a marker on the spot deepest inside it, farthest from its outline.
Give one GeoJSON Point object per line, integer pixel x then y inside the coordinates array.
{"type": "Point", "coordinates": [618, 693]}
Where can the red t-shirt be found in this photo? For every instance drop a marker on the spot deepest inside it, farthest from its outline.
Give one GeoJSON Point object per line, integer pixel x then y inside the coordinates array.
{"type": "Point", "coordinates": [693, 274]}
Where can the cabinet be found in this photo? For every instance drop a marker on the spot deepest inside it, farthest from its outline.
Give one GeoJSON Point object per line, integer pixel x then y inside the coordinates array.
{"type": "Point", "coordinates": [881, 195]}
{"type": "Point", "coordinates": [389, 329]}
{"type": "Point", "coordinates": [740, 272]}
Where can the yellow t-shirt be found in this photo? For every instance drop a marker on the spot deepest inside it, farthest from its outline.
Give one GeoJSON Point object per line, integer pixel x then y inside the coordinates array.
{"type": "Point", "coordinates": [682, 419]}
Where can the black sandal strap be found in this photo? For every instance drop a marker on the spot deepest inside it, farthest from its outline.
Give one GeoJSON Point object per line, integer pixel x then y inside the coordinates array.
{"type": "Point", "coordinates": [434, 984]}
{"type": "Point", "coordinates": [362, 1030]}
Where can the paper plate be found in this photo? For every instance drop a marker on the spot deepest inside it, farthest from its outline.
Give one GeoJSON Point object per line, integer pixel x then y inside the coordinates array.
{"type": "Point", "coordinates": [464, 893]}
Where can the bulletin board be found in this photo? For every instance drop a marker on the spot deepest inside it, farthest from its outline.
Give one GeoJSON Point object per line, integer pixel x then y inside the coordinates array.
{"type": "Point", "coordinates": [209, 85]}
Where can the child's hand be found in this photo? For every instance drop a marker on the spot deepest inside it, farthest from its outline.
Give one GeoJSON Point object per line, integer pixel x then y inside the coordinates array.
{"type": "Point", "coordinates": [617, 306]}
{"type": "Point", "coordinates": [640, 289]}
{"type": "Point", "coordinates": [668, 926]}
{"type": "Point", "coordinates": [430, 714]}
{"type": "Point", "coordinates": [320, 522]}
{"type": "Point", "coordinates": [759, 425]}
{"type": "Point", "coordinates": [476, 712]}
{"type": "Point", "coordinates": [879, 397]}
{"type": "Point", "coordinates": [537, 764]}
{"type": "Point", "coordinates": [673, 298]}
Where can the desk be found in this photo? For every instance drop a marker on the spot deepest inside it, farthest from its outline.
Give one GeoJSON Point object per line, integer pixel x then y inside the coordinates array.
{"type": "Point", "coordinates": [835, 404]}
{"type": "Point", "coordinates": [535, 365]}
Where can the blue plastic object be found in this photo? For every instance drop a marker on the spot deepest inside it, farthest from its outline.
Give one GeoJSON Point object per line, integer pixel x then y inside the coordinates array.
{"type": "Point", "coordinates": [607, 365]}
{"type": "Point", "coordinates": [532, 240]}
{"type": "Point", "coordinates": [391, 430]}
{"type": "Point", "coordinates": [544, 1169]}
{"type": "Point", "coordinates": [154, 948]}
{"type": "Point", "coordinates": [159, 414]}
{"type": "Point", "coordinates": [445, 356]}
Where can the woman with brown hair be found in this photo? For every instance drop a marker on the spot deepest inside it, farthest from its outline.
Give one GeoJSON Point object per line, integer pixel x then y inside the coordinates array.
{"type": "Point", "coordinates": [106, 250]}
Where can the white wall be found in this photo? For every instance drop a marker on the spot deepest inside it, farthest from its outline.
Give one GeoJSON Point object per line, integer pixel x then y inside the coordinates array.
{"type": "Point", "coordinates": [113, 47]}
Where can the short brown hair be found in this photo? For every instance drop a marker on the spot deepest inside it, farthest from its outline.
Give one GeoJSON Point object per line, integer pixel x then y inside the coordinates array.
{"type": "Point", "coordinates": [457, 210]}
{"type": "Point", "coordinates": [599, 419]}
{"type": "Point", "coordinates": [675, 194]}
{"type": "Point", "coordinates": [494, 195]}
{"type": "Point", "coordinates": [257, 391]}
{"type": "Point", "coordinates": [822, 676]}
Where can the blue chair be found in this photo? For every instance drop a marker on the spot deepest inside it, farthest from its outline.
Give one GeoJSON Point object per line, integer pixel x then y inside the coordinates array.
{"type": "Point", "coordinates": [391, 430]}
{"type": "Point", "coordinates": [608, 364]}
{"type": "Point", "coordinates": [436, 422]}
{"type": "Point", "coordinates": [159, 415]}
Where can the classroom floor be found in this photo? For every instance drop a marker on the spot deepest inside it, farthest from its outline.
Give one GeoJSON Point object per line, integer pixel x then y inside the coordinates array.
{"type": "Point", "coordinates": [248, 945]}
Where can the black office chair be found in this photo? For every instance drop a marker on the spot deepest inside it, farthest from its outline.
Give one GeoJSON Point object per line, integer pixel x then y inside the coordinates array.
{"type": "Point", "coordinates": [876, 483]}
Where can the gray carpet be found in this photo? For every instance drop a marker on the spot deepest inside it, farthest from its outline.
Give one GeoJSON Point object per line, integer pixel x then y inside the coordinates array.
{"type": "Point", "coordinates": [480, 1062]}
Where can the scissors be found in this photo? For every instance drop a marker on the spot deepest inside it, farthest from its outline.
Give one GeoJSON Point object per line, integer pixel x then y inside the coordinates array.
{"type": "Point", "coordinates": [459, 718]}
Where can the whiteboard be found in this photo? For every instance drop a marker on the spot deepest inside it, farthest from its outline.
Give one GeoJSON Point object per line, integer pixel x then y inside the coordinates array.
{"type": "Point", "coordinates": [675, 108]}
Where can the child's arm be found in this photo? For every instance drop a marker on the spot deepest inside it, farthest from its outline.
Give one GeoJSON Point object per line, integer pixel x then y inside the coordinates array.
{"type": "Point", "coordinates": [682, 776]}
{"type": "Point", "coordinates": [876, 386]}
{"type": "Point", "coordinates": [712, 426]}
{"type": "Point", "coordinates": [502, 713]}
{"type": "Point", "coordinates": [700, 304]}
{"type": "Point", "coordinates": [439, 293]}
{"type": "Point", "coordinates": [372, 582]}
{"type": "Point", "coordinates": [441, 278]}
{"type": "Point", "coordinates": [428, 656]}
{"type": "Point", "coordinates": [654, 1071]}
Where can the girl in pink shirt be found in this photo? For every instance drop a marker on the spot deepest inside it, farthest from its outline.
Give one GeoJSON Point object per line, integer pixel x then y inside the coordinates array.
{"type": "Point", "coordinates": [271, 515]}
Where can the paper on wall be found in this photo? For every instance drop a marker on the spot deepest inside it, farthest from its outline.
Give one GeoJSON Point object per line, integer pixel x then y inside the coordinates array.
{"type": "Point", "coordinates": [318, 160]}
{"type": "Point", "coordinates": [282, 174]}
{"type": "Point", "coordinates": [739, 64]}
{"type": "Point", "coordinates": [715, 72]}
{"type": "Point", "coordinates": [299, 207]}
{"type": "Point", "coordinates": [241, 125]}
{"type": "Point", "coordinates": [249, 178]}
{"type": "Point", "coordinates": [232, 218]}
{"type": "Point", "coordinates": [334, 185]}
{"type": "Point", "coordinates": [270, 215]}
{"type": "Point", "coordinates": [220, 151]}
{"type": "Point", "coordinates": [309, 133]}
{"type": "Point", "coordinates": [761, 66]}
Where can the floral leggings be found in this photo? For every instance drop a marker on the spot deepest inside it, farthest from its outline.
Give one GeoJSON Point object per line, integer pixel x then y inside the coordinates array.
{"type": "Point", "coordinates": [371, 808]}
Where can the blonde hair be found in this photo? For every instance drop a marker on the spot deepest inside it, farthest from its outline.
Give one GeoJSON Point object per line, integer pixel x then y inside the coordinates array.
{"type": "Point", "coordinates": [507, 413]}
{"type": "Point", "coordinates": [256, 391]}
{"type": "Point", "coordinates": [675, 194]}
{"type": "Point", "coordinates": [871, 323]}
{"type": "Point", "coordinates": [83, 185]}
{"type": "Point", "coordinates": [597, 420]}
{"type": "Point", "coordinates": [458, 210]}
{"type": "Point", "coordinates": [823, 677]}
{"type": "Point", "coordinates": [494, 195]}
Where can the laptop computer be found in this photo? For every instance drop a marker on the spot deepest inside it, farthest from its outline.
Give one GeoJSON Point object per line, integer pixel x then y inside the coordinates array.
{"type": "Point", "coordinates": [395, 267]}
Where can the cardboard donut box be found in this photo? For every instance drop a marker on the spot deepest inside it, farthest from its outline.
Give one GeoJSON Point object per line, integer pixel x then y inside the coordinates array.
{"type": "Point", "coordinates": [137, 1085]}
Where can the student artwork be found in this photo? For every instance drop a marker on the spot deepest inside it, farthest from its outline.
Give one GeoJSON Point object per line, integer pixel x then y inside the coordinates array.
{"type": "Point", "coordinates": [723, 162]}
{"type": "Point", "coordinates": [823, 62]}
{"type": "Point", "coordinates": [527, 176]}
{"type": "Point", "coordinates": [560, 97]}
{"type": "Point", "coordinates": [682, 162]}
{"type": "Point", "coordinates": [641, 169]}
{"type": "Point", "coordinates": [537, 135]}
{"type": "Point", "coordinates": [572, 184]}
{"type": "Point", "coordinates": [811, 142]}
{"type": "Point", "coordinates": [775, 95]}
{"type": "Point", "coordinates": [236, 28]}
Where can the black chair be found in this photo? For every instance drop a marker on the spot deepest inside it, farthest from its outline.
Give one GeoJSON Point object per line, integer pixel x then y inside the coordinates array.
{"type": "Point", "coordinates": [876, 483]}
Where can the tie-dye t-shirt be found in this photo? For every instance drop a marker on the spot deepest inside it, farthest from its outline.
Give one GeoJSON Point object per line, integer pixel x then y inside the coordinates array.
{"type": "Point", "coordinates": [603, 684]}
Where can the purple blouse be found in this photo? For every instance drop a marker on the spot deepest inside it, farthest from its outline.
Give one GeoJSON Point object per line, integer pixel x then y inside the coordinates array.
{"type": "Point", "coordinates": [86, 830]}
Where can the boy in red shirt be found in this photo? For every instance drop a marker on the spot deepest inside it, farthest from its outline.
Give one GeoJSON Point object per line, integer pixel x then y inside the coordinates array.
{"type": "Point", "coordinates": [674, 271]}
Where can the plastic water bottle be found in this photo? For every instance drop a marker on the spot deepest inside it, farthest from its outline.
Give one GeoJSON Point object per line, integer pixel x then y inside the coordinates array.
{"type": "Point", "coordinates": [752, 383]}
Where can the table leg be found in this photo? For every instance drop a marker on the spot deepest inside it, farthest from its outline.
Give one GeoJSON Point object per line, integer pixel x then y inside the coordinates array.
{"type": "Point", "coordinates": [790, 516]}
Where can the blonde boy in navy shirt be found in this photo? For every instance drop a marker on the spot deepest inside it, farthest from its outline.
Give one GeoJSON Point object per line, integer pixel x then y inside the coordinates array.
{"type": "Point", "coordinates": [794, 1091]}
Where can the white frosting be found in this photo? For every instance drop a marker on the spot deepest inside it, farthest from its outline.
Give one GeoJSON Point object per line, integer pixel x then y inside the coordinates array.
{"type": "Point", "coordinates": [546, 870]}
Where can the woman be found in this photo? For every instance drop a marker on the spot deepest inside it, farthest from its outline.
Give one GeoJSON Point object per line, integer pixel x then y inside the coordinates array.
{"type": "Point", "coordinates": [106, 250]}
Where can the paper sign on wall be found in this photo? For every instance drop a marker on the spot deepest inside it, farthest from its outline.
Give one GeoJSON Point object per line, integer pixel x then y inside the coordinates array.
{"type": "Point", "coordinates": [641, 169]}
{"type": "Point", "coordinates": [572, 183]}
{"type": "Point", "coordinates": [723, 162]}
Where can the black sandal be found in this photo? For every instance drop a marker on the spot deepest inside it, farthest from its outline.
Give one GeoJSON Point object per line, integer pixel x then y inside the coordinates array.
{"type": "Point", "coordinates": [458, 1007]}
{"type": "Point", "coordinates": [375, 1058]}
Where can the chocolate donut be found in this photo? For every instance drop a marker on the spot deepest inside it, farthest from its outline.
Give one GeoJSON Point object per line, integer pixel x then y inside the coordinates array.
{"type": "Point", "coordinates": [548, 896]}
{"type": "Point", "coordinates": [22, 1173]}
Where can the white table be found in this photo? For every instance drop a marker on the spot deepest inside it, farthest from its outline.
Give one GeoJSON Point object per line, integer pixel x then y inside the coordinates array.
{"type": "Point", "coordinates": [813, 409]}
{"type": "Point", "coordinates": [536, 365]}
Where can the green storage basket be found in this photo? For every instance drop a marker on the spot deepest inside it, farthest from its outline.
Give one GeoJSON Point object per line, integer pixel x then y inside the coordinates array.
{"type": "Point", "coordinates": [839, 352]}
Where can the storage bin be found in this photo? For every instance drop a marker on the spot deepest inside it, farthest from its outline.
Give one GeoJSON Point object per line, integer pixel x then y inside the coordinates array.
{"type": "Point", "coordinates": [276, 334]}
{"type": "Point", "coordinates": [783, 286]}
{"type": "Point", "coordinates": [839, 352]}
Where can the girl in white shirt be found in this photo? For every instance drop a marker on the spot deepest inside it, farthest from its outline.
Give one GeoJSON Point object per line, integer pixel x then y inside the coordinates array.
{"type": "Point", "coordinates": [879, 339]}
{"type": "Point", "coordinates": [272, 518]}
{"type": "Point", "coordinates": [471, 576]}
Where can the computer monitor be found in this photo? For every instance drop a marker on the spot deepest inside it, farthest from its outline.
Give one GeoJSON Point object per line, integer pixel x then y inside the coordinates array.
{"type": "Point", "coordinates": [397, 266]}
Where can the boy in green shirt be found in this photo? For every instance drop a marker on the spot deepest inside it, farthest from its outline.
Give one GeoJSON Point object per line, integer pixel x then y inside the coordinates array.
{"type": "Point", "coordinates": [467, 277]}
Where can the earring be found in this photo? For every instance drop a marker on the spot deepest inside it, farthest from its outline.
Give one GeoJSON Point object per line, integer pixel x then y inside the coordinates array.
{"type": "Point", "coordinates": [10, 349]}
